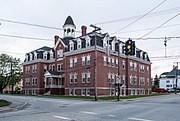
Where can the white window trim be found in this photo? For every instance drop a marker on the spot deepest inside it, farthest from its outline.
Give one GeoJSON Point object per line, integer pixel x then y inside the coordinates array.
{"type": "Point", "coordinates": [60, 53]}
{"type": "Point", "coordinates": [88, 41]}
{"type": "Point", "coordinates": [71, 45]}
{"type": "Point", "coordinates": [83, 76]}
{"type": "Point", "coordinates": [79, 46]}
{"type": "Point", "coordinates": [71, 62]}
{"type": "Point", "coordinates": [88, 60]}
{"type": "Point", "coordinates": [83, 60]}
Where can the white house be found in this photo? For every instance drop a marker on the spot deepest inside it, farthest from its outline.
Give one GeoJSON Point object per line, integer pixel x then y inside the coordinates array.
{"type": "Point", "coordinates": [169, 81]}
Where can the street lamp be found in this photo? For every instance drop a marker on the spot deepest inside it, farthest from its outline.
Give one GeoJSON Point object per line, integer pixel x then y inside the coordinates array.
{"type": "Point", "coordinates": [95, 59]}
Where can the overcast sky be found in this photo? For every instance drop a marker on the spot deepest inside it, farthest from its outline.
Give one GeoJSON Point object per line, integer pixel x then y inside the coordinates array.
{"type": "Point", "coordinates": [110, 15]}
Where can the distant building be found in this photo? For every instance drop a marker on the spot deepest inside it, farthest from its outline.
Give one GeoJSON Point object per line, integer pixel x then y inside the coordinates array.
{"type": "Point", "coordinates": [68, 68]}
{"type": "Point", "coordinates": [168, 81]}
{"type": "Point", "coordinates": [8, 88]}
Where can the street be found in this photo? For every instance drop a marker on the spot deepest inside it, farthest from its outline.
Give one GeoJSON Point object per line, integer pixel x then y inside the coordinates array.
{"type": "Point", "coordinates": [161, 108]}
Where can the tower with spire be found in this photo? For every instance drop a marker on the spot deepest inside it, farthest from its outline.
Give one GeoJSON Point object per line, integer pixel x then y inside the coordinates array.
{"type": "Point", "coordinates": [69, 28]}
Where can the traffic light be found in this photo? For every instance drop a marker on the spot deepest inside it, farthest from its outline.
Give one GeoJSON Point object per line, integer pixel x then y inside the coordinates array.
{"type": "Point", "coordinates": [130, 47]}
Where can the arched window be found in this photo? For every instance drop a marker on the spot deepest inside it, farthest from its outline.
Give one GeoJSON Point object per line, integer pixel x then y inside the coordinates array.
{"type": "Point", "coordinates": [79, 43]}
{"type": "Point", "coordinates": [88, 41]}
{"type": "Point", "coordinates": [68, 30]}
{"type": "Point", "coordinates": [106, 41]}
{"type": "Point", "coordinates": [71, 45]}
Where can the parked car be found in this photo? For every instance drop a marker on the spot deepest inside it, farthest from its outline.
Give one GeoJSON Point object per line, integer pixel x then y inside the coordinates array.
{"type": "Point", "coordinates": [160, 90]}
{"type": "Point", "coordinates": [171, 90]}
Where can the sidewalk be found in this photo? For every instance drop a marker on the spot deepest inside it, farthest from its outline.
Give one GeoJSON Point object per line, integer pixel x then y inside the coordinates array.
{"type": "Point", "coordinates": [13, 106]}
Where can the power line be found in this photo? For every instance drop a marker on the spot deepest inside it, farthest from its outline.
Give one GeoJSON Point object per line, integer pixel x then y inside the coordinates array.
{"type": "Point", "coordinates": [30, 24]}
{"type": "Point", "coordinates": [22, 37]}
{"type": "Point", "coordinates": [139, 18]}
{"type": "Point", "coordinates": [163, 48]}
{"type": "Point", "coordinates": [150, 28]}
{"type": "Point", "coordinates": [158, 13]}
{"type": "Point", "coordinates": [160, 25]}
{"type": "Point", "coordinates": [166, 56]}
{"type": "Point", "coordinates": [150, 38]}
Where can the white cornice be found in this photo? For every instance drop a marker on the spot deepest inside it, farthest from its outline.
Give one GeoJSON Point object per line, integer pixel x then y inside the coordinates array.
{"type": "Point", "coordinates": [79, 51]}
{"type": "Point", "coordinates": [38, 61]}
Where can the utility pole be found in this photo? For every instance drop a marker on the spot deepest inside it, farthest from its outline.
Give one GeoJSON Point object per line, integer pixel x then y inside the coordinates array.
{"type": "Point", "coordinates": [95, 60]}
{"type": "Point", "coordinates": [118, 71]}
{"type": "Point", "coordinates": [176, 76]}
{"type": "Point", "coordinates": [165, 44]}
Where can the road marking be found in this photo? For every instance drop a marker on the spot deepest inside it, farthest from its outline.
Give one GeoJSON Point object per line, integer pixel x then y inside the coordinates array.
{"type": "Point", "coordinates": [111, 115]}
{"type": "Point", "coordinates": [139, 119]}
{"type": "Point", "coordinates": [87, 112]}
{"type": "Point", "coordinates": [65, 118]}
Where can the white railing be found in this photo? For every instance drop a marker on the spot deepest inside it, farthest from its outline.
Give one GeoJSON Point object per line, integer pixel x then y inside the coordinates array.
{"type": "Point", "coordinates": [54, 86]}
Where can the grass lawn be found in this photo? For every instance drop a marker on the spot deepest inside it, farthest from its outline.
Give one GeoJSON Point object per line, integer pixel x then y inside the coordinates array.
{"type": "Point", "coordinates": [4, 103]}
{"type": "Point", "coordinates": [131, 96]}
{"type": "Point", "coordinates": [99, 98]}
{"type": "Point", "coordinates": [104, 98]}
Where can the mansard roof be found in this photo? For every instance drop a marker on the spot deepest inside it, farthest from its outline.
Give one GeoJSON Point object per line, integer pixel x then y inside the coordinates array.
{"type": "Point", "coordinates": [99, 42]}
{"type": "Point", "coordinates": [45, 48]}
{"type": "Point", "coordinates": [65, 40]}
{"type": "Point", "coordinates": [39, 52]}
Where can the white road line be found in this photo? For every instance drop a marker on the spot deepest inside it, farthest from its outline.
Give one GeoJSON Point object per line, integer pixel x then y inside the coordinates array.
{"type": "Point", "coordinates": [139, 119]}
{"type": "Point", "coordinates": [111, 115]}
{"type": "Point", "coordinates": [87, 112]}
{"type": "Point", "coordinates": [65, 118]}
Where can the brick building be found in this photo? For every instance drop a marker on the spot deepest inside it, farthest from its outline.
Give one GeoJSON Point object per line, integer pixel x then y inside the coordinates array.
{"type": "Point", "coordinates": [69, 67]}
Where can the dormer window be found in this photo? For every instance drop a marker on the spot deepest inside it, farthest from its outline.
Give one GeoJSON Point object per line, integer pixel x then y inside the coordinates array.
{"type": "Point", "coordinates": [105, 40]}
{"type": "Point", "coordinates": [141, 55]}
{"type": "Point", "coordinates": [71, 46]}
{"type": "Point", "coordinates": [45, 55]}
{"type": "Point", "coordinates": [121, 48]}
{"type": "Point", "coordinates": [88, 41]}
{"type": "Point", "coordinates": [31, 56]}
{"type": "Point", "coordinates": [35, 55]}
{"type": "Point", "coordinates": [79, 43]}
{"type": "Point", "coordinates": [26, 57]}
{"type": "Point", "coordinates": [113, 45]}
{"type": "Point", "coordinates": [51, 55]}
{"type": "Point", "coordinates": [145, 56]}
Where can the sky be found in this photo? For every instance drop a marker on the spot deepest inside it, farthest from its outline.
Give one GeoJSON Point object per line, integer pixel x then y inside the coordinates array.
{"type": "Point", "coordinates": [111, 15]}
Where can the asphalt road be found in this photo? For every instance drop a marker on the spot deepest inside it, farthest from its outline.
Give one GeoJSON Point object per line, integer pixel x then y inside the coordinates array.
{"type": "Point", "coordinates": [161, 108]}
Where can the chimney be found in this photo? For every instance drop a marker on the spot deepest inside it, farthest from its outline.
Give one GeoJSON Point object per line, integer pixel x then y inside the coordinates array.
{"type": "Point", "coordinates": [83, 28]}
{"type": "Point", "coordinates": [56, 38]}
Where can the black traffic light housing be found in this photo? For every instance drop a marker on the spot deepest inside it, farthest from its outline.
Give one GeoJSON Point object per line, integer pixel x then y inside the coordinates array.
{"type": "Point", "coordinates": [130, 47]}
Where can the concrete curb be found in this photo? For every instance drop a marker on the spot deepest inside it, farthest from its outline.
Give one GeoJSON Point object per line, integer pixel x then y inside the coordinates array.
{"type": "Point", "coordinates": [13, 107]}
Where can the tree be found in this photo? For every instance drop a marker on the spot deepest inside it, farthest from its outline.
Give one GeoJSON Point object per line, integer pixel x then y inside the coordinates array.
{"type": "Point", "coordinates": [10, 71]}
{"type": "Point", "coordinates": [156, 83]}
{"type": "Point", "coordinates": [15, 73]}
{"type": "Point", "coordinates": [4, 70]}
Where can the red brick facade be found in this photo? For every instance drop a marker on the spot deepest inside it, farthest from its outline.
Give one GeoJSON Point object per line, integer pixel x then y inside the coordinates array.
{"type": "Point", "coordinates": [70, 70]}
